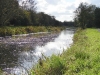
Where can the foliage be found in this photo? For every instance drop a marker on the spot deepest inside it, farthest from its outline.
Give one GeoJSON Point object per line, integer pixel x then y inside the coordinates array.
{"type": "Point", "coordinates": [52, 66]}
{"type": "Point", "coordinates": [12, 30]}
{"type": "Point", "coordinates": [83, 53]}
{"type": "Point", "coordinates": [84, 15]}
{"type": "Point", "coordinates": [8, 9]}
{"type": "Point", "coordinates": [87, 15]}
{"type": "Point", "coordinates": [28, 5]}
{"type": "Point", "coordinates": [23, 13]}
{"type": "Point", "coordinates": [97, 17]}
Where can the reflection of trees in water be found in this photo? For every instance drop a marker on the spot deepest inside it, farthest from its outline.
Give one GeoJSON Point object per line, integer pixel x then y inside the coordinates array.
{"type": "Point", "coordinates": [20, 53]}
{"type": "Point", "coordinates": [9, 54]}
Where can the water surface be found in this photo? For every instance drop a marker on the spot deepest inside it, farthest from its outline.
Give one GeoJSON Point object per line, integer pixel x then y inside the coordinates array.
{"type": "Point", "coordinates": [19, 55]}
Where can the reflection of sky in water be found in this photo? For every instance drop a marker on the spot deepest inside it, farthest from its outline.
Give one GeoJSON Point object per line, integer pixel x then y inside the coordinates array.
{"type": "Point", "coordinates": [28, 58]}
{"type": "Point", "coordinates": [61, 43]}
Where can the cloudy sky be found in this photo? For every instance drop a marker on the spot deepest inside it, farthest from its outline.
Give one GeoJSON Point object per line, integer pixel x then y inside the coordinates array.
{"type": "Point", "coordinates": [61, 9]}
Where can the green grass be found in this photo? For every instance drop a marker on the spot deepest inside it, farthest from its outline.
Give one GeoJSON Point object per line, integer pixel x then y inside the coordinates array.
{"type": "Point", "coordinates": [11, 30]}
{"type": "Point", "coordinates": [82, 58]}
{"type": "Point", "coordinates": [54, 65]}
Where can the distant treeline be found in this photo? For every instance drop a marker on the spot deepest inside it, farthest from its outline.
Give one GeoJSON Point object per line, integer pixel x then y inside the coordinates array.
{"type": "Point", "coordinates": [24, 14]}
{"type": "Point", "coordinates": [87, 15]}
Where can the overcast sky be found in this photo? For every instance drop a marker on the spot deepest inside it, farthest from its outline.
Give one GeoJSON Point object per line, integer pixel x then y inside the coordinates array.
{"type": "Point", "coordinates": [61, 9]}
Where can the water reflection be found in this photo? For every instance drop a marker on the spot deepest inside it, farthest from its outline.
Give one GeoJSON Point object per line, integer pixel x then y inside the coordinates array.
{"type": "Point", "coordinates": [17, 53]}
{"type": "Point", "coordinates": [8, 55]}
{"type": "Point", "coordinates": [62, 42]}
{"type": "Point", "coordinates": [17, 56]}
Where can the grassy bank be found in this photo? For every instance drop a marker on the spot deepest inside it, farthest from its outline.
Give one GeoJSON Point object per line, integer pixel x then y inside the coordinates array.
{"type": "Point", "coordinates": [83, 58]}
{"type": "Point", "coordinates": [11, 30]}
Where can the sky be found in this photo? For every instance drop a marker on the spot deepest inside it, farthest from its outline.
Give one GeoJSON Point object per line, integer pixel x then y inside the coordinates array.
{"type": "Point", "coordinates": [63, 10]}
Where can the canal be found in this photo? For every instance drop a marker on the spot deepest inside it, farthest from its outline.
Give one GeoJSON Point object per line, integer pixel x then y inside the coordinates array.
{"type": "Point", "coordinates": [18, 54]}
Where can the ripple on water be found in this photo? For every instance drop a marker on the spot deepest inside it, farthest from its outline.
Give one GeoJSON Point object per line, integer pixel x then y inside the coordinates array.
{"type": "Point", "coordinates": [30, 49]}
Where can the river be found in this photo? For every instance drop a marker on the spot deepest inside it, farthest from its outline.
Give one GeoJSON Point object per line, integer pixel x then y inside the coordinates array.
{"type": "Point", "coordinates": [18, 54]}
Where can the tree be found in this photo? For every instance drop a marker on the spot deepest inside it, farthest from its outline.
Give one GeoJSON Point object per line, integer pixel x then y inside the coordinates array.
{"type": "Point", "coordinates": [8, 9]}
{"type": "Point", "coordinates": [27, 14]}
{"type": "Point", "coordinates": [97, 17]}
{"type": "Point", "coordinates": [84, 15]}
{"type": "Point", "coordinates": [47, 20]}
{"type": "Point", "coordinates": [28, 5]}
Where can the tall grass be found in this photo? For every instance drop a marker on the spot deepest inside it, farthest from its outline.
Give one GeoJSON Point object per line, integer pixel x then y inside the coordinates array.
{"type": "Point", "coordinates": [54, 65]}
{"type": "Point", "coordinates": [11, 30]}
{"type": "Point", "coordinates": [82, 58]}
{"type": "Point", "coordinates": [83, 53]}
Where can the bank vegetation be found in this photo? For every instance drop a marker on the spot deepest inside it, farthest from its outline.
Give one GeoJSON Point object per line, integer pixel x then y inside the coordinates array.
{"type": "Point", "coordinates": [82, 58]}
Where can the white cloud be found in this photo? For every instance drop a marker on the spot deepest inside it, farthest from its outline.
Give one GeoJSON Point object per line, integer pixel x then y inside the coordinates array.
{"type": "Point", "coordinates": [64, 18]}
{"type": "Point", "coordinates": [41, 4]}
{"type": "Point", "coordinates": [77, 2]}
{"type": "Point", "coordinates": [61, 9]}
{"type": "Point", "coordinates": [53, 2]}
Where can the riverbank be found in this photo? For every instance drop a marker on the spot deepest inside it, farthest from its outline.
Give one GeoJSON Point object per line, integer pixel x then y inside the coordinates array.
{"type": "Point", "coordinates": [83, 57]}
{"type": "Point", "coordinates": [11, 30]}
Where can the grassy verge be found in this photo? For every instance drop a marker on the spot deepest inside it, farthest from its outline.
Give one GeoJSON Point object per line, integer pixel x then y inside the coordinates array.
{"type": "Point", "coordinates": [11, 30]}
{"type": "Point", "coordinates": [83, 58]}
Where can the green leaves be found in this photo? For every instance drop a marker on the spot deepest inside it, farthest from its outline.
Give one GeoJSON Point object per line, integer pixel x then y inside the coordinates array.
{"type": "Point", "coordinates": [84, 15]}
{"type": "Point", "coordinates": [8, 9]}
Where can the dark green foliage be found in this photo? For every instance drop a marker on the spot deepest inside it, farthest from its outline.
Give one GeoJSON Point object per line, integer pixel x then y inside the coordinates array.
{"type": "Point", "coordinates": [70, 23]}
{"type": "Point", "coordinates": [97, 17]}
{"type": "Point", "coordinates": [8, 9]}
{"type": "Point", "coordinates": [84, 15]}
{"type": "Point", "coordinates": [11, 13]}
{"type": "Point", "coordinates": [87, 16]}
{"type": "Point", "coordinates": [47, 20]}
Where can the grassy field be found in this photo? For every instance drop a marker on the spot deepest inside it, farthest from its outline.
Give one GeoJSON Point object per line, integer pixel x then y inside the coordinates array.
{"type": "Point", "coordinates": [11, 30]}
{"type": "Point", "coordinates": [82, 58]}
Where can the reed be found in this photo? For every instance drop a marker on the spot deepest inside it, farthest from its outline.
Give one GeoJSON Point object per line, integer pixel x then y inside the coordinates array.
{"type": "Point", "coordinates": [11, 30]}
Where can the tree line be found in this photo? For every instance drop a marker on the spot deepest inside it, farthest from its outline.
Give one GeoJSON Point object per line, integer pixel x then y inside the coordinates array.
{"type": "Point", "coordinates": [87, 15]}
{"type": "Point", "coordinates": [24, 14]}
